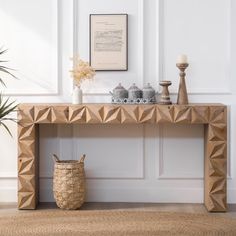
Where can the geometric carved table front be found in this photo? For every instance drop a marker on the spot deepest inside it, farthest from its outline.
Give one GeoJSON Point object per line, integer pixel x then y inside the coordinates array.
{"type": "Point", "coordinates": [213, 116]}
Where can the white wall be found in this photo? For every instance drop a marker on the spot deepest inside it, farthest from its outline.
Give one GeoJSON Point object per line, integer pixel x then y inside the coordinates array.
{"type": "Point", "coordinates": [124, 163]}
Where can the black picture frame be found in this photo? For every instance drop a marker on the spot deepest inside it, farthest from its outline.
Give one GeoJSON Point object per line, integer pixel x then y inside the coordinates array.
{"type": "Point", "coordinates": [125, 54]}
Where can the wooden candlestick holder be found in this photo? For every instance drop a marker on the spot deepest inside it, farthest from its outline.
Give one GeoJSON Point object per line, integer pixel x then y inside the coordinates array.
{"type": "Point", "coordinates": [182, 93]}
{"type": "Point", "coordinates": [165, 95]}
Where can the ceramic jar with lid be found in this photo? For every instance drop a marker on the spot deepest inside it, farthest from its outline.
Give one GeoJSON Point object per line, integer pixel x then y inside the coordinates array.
{"type": "Point", "coordinates": [148, 92]}
{"type": "Point", "coordinates": [134, 92]}
{"type": "Point", "coordinates": [119, 92]}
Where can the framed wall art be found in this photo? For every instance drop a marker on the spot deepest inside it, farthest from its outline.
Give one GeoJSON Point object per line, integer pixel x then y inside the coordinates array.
{"type": "Point", "coordinates": [109, 42]}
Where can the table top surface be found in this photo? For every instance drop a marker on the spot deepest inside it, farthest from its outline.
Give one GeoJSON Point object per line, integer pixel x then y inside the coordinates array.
{"type": "Point", "coordinates": [118, 105]}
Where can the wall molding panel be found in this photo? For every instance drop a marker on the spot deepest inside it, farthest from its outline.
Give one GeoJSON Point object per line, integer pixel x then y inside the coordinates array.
{"type": "Point", "coordinates": [199, 90]}
{"type": "Point", "coordinates": [31, 83]}
{"type": "Point", "coordinates": [102, 172]}
{"type": "Point", "coordinates": [164, 159]}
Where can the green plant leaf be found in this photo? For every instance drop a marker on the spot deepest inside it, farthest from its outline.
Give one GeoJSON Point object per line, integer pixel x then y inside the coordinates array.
{"type": "Point", "coordinates": [11, 119]}
{"type": "Point", "coordinates": [6, 70]}
{"type": "Point", "coordinates": [2, 82]}
{"type": "Point", "coordinates": [5, 126]}
{"type": "Point", "coordinates": [6, 106]}
{"type": "Point", "coordinates": [5, 109]}
{"type": "Point", "coordinates": [2, 51]}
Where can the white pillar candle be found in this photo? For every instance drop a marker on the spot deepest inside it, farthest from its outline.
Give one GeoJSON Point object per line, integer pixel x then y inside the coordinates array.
{"type": "Point", "coordinates": [182, 59]}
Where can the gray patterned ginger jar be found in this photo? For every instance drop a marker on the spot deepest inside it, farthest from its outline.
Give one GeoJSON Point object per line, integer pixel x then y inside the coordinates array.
{"type": "Point", "coordinates": [134, 92]}
{"type": "Point", "coordinates": [120, 92]}
{"type": "Point", "coordinates": [148, 92]}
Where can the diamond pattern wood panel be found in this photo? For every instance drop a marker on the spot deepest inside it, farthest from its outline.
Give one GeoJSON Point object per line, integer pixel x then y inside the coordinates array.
{"type": "Point", "coordinates": [213, 116]}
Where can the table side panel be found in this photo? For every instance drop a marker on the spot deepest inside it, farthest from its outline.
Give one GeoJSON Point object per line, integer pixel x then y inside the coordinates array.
{"type": "Point", "coordinates": [27, 166]}
{"type": "Point", "coordinates": [215, 169]}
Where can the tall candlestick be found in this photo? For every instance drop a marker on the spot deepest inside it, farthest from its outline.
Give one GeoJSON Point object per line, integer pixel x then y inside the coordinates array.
{"type": "Point", "coordinates": [182, 94]}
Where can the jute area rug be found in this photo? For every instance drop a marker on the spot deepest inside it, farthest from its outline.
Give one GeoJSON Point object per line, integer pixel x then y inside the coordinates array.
{"type": "Point", "coordinates": [94, 222]}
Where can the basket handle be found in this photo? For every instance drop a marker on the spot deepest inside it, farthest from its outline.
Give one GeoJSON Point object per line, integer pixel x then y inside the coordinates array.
{"type": "Point", "coordinates": [82, 158]}
{"type": "Point", "coordinates": [55, 158]}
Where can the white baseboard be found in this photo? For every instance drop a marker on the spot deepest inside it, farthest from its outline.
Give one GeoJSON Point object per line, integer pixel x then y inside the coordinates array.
{"type": "Point", "coordinates": [161, 195]}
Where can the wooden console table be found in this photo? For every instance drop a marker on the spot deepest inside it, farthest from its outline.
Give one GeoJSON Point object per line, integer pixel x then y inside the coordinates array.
{"type": "Point", "coordinates": [213, 116]}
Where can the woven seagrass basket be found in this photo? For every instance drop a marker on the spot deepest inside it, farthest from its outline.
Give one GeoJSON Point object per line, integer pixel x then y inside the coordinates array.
{"type": "Point", "coordinates": [69, 183]}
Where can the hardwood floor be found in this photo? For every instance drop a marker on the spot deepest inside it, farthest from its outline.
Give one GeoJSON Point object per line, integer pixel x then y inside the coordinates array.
{"type": "Point", "coordinates": [169, 207]}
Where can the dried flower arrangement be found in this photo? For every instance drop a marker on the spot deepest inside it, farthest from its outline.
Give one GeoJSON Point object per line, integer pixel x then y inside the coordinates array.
{"type": "Point", "coordinates": [82, 71]}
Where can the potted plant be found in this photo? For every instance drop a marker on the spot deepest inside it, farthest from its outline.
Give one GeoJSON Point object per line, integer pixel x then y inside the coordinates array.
{"type": "Point", "coordinates": [6, 106]}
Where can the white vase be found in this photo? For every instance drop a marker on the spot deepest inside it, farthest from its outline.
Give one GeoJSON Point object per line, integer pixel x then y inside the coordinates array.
{"type": "Point", "coordinates": [77, 96]}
